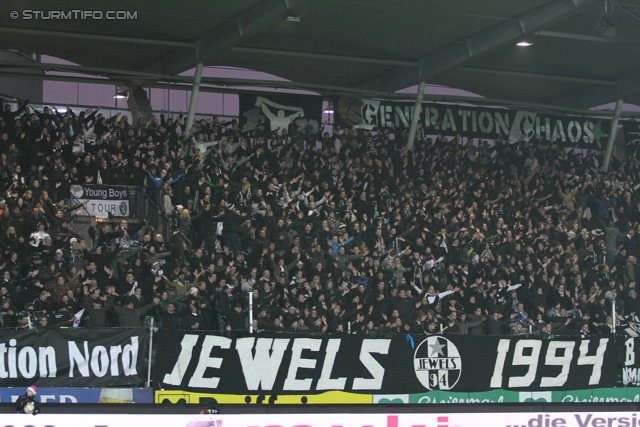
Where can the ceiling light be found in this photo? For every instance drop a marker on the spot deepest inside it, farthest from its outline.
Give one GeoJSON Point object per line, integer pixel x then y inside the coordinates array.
{"type": "Point", "coordinates": [328, 111]}
{"type": "Point", "coordinates": [121, 95]}
{"type": "Point", "coordinates": [524, 43]}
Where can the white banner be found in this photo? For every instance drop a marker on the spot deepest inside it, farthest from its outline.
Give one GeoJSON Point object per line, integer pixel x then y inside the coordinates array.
{"type": "Point", "coordinates": [516, 419]}
{"type": "Point", "coordinates": [101, 208]}
{"type": "Point", "coordinates": [102, 200]}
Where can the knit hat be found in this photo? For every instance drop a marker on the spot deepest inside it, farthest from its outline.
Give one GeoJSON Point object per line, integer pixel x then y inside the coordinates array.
{"type": "Point", "coordinates": [33, 389]}
{"type": "Point", "coordinates": [193, 291]}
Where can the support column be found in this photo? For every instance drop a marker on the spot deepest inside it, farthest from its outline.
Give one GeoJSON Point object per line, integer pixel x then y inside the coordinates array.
{"type": "Point", "coordinates": [194, 99]}
{"type": "Point", "coordinates": [250, 312]}
{"type": "Point", "coordinates": [416, 115]}
{"type": "Point", "coordinates": [612, 135]}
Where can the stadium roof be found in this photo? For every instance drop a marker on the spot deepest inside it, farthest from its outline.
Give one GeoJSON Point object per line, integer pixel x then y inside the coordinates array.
{"type": "Point", "coordinates": [581, 56]}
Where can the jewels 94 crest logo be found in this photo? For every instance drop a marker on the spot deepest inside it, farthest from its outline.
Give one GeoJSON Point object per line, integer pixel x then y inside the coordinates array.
{"type": "Point", "coordinates": [437, 363]}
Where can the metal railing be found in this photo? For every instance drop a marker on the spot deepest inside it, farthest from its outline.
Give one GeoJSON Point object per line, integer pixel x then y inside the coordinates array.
{"type": "Point", "coordinates": [112, 111]}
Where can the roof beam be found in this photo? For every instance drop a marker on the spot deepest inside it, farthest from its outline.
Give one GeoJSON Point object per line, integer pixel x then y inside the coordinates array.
{"type": "Point", "coordinates": [145, 79]}
{"type": "Point", "coordinates": [122, 77]}
{"type": "Point", "coordinates": [343, 91]}
{"type": "Point", "coordinates": [602, 90]}
{"type": "Point", "coordinates": [586, 38]}
{"type": "Point", "coordinates": [80, 69]}
{"type": "Point", "coordinates": [282, 84]}
{"type": "Point", "coordinates": [456, 54]}
{"type": "Point", "coordinates": [593, 96]}
{"type": "Point", "coordinates": [629, 11]}
{"type": "Point", "coordinates": [57, 78]}
{"type": "Point", "coordinates": [324, 56]}
{"type": "Point", "coordinates": [522, 74]}
{"type": "Point", "coordinates": [244, 26]}
{"type": "Point", "coordinates": [97, 37]}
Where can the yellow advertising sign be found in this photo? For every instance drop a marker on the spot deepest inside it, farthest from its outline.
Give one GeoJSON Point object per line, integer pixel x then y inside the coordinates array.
{"type": "Point", "coordinates": [327, 398]}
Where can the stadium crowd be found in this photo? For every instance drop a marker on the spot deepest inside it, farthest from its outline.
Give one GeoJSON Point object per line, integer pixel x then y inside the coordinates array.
{"type": "Point", "coordinates": [335, 232]}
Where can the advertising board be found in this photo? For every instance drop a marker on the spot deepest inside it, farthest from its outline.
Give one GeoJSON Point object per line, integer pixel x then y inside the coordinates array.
{"type": "Point", "coordinates": [494, 419]}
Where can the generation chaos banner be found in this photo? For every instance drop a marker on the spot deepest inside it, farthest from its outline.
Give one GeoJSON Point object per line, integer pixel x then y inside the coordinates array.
{"type": "Point", "coordinates": [474, 122]}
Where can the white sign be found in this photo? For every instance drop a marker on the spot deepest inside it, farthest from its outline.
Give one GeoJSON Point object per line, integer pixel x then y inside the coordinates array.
{"type": "Point", "coordinates": [102, 200]}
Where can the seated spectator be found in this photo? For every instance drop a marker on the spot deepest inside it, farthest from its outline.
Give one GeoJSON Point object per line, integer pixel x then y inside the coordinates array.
{"type": "Point", "coordinates": [518, 329]}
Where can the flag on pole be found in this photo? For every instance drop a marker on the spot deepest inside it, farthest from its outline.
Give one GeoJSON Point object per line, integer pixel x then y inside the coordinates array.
{"type": "Point", "coordinates": [444, 245]}
{"type": "Point", "coordinates": [77, 317]}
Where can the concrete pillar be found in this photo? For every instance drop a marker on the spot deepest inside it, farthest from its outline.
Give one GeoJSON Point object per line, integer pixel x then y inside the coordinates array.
{"type": "Point", "coordinates": [416, 115]}
{"type": "Point", "coordinates": [612, 135]}
{"type": "Point", "coordinates": [194, 99]}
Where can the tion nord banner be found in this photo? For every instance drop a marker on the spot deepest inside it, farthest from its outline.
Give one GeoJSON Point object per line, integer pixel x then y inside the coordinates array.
{"type": "Point", "coordinates": [291, 366]}
{"type": "Point", "coordinates": [73, 357]}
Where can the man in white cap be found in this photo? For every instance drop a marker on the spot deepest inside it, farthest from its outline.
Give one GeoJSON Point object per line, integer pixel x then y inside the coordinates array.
{"type": "Point", "coordinates": [27, 403]}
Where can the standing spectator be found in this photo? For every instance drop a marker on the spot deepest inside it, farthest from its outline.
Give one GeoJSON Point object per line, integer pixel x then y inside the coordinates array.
{"type": "Point", "coordinates": [27, 403]}
{"type": "Point", "coordinates": [131, 317]}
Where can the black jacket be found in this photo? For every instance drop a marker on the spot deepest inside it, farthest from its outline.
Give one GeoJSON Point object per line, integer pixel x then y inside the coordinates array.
{"type": "Point", "coordinates": [23, 400]}
{"type": "Point", "coordinates": [494, 327]}
{"type": "Point", "coordinates": [231, 222]}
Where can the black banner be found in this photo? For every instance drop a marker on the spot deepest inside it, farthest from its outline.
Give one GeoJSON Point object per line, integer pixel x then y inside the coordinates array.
{"type": "Point", "coordinates": [632, 137]}
{"type": "Point", "coordinates": [396, 365]}
{"type": "Point", "coordinates": [629, 351]}
{"type": "Point", "coordinates": [73, 357]}
{"type": "Point", "coordinates": [474, 122]}
{"type": "Point", "coordinates": [279, 109]}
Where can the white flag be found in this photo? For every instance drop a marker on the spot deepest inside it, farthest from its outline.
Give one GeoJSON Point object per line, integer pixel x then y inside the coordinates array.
{"type": "Point", "coordinates": [77, 317]}
{"type": "Point", "coordinates": [444, 245]}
